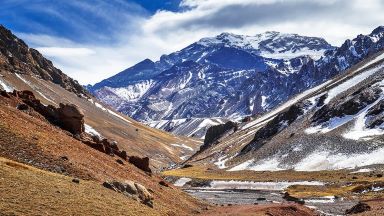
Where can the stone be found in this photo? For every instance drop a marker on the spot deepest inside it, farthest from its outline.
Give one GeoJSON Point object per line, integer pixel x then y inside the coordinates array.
{"type": "Point", "coordinates": [164, 183]}
{"type": "Point", "coordinates": [71, 118]}
{"type": "Point", "coordinates": [293, 199]}
{"type": "Point", "coordinates": [143, 193]}
{"type": "Point", "coordinates": [120, 161]}
{"type": "Point", "coordinates": [141, 163]}
{"type": "Point", "coordinates": [119, 186]}
{"type": "Point", "coordinates": [149, 203]}
{"type": "Point", "coordinates": [131, 188]}
{"type": "Point", "coordinates": [5, 94]}
{"type": "Point", "coordinates": [358, 208]}
{"type": "Point", "coordinates": [109, 186]}
{"type": "Point", "coordinates": [22, 107]}
{"type": "Point", "coordinates": [124, 155]}
{"type": "Point", "coordinates": [76, 180]}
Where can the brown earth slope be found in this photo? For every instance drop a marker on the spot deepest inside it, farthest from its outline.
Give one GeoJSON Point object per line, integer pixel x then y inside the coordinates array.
{"type": "Point", "coordinates": [24, 68]}
{"type": "Point", "coordinates": [30, 139]}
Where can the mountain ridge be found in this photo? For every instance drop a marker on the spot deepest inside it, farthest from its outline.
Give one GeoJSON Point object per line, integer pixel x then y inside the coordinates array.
{"type": "Point", "coordinates": [229, 78]}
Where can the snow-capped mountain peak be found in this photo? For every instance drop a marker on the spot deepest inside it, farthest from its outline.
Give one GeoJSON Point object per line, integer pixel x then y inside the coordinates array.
{"type": "Point", "coordinates": [271, 44]}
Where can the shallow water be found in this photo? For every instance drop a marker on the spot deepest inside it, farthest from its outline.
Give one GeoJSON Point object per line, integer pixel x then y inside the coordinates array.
{"type": "Point", "coordinates": [326, 205]}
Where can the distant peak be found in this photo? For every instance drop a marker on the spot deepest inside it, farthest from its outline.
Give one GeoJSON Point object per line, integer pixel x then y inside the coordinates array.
{"type": "Point", "coordinates": [272, 33]}
{"type": "Point", "coordinates": [147, 61]}
{"type": "Point", "coordinates": [378, 30]}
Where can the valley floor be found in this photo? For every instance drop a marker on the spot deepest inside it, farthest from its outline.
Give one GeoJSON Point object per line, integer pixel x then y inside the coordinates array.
{"type": "Point", "coordinates": [329, 191]}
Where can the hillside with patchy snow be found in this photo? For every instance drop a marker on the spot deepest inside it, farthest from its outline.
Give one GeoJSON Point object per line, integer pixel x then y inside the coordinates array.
{"type": "Point", "coordinates": [336, 125]}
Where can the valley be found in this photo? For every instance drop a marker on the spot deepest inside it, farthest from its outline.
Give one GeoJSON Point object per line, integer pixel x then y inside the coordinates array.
{"type": "Point", "coordinates": [270, 124]}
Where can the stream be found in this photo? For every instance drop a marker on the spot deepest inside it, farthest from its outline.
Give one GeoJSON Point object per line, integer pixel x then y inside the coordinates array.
{"type": "Point", "coordinates": [237, 192]}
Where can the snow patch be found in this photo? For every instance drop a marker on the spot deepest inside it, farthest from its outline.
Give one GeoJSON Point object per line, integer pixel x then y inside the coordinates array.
{"type": "Point", "coordinates": [362, 171]}
{"type": "Point", "coordinates": [324, 160]}
{"type": "Point", "coordinates": [90, 130]}
{"type": "Point", "coordinates": [350, 83]}
{"type": "Point", "coordinates": [183, 146]}
{"type": "Point", "coordinates": [270, 164]}
{"type": "Point", "coordinates": [5, 86]}
{"type": "Point", "coordinates": [181, 182]}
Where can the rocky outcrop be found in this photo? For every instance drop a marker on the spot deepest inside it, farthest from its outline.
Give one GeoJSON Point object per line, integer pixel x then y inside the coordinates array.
{"type": "Point", "coordinates": [276, 125]}
{"type": "Point", "coordinates": [133, 190]}
{"type": "Point", "coordinates": [71, 118]}
{"type": "Point", "coordinates": [68, 117]}
{"type": "Point", "coordinates": [215, 132]}
{"type": "Point", "coordinates": [358, 208]}
{"type": "Point", "coordinates": [348, 105]}
{"type": "Point", "coordinates": [17, 57]}
{"type": "Point", "coordinates": [375, 115]}
{"type": "Point", "coordinates": [141, 163]}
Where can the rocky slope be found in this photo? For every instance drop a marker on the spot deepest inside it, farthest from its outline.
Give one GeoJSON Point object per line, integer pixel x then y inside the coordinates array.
{"type": "Point", "coordinates": [25, 69]}
{"type": "Point", "coordinates": [68, 154]}
{"type": "Point", "coordinates": [335, 125]}
{"type": "Point", "coordinates": [17, 57]}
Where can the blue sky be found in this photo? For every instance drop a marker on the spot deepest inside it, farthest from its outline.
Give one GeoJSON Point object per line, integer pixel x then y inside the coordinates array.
{"type": "Point", "coordinates": [93, 39]}
{"type": "Point", "coordinates": [78, 20]}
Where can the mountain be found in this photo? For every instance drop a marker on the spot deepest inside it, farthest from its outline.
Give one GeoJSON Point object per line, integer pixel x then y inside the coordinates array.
{"type": "Point", "coordinates": [228, 76]}
{"type": "Point", "coordinates": [23, 68]}
{"type": "Point", "coordinates": [17, 57]}
{"type": "Point", "coordinates": [335, 125]}
{"type": "Point", "coordinates": [70, 154]}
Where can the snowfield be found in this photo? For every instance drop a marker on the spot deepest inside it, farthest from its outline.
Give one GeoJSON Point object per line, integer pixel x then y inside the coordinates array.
{"type": "Point", "coordinates": [90, 130]}
{"type": "Point", "coordinates": [5, 86]}
{"type": "Point", "coordinates": [181, 182]}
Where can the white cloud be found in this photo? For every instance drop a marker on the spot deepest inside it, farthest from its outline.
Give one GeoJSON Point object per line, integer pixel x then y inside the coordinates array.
{"type": "Point", "coordinates": [65, 51]}
{"type": "Point", "coordinates": [166, 31]}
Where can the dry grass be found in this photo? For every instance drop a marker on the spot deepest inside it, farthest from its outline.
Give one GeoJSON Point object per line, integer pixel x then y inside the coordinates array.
{"type": "Point", "coordinates": [30, 140]}
{"type": "Point", "coordinates": [25, 190]}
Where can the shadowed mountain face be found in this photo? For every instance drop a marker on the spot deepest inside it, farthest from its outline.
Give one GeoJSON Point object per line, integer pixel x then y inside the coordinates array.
{"type": "Point", "coordinates": [229, 76]}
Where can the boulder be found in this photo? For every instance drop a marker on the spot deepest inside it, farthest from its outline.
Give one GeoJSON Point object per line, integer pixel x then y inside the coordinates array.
{"type": "Point", "coordinates": [290, 198]}
{"type": "Point", "coordinates": [216, 132]}
{"type": "Point", "coordinates": [123, 155]}
{"type": "Point", "coordinates": [22, 106]}
{"type": "Point", "coordinates": [109, 186]}
{"type": "Point", "coordinates": [164, 183]}
{"type": "Point", "coordinates": [131, 188]}
{"type": "Point", "coordinates": [144, 194]}
{"type": "Point", "coordinates": [120, 161]}
{"type": "Point", "coordinates": [119, 186]}
{"type": "Point", "coordinates": [358, 208]}
{"type": "Point", "coordinates": [5, 94]}
{"type": "Point", "coordinates": [71, 118]}
{"type": "Point", "coordinates": [141, 163]}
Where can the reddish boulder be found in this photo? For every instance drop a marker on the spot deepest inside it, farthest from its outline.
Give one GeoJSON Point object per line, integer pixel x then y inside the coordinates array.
{"type": "Point", "coordinates": [71, 118]}
{"type": "Point", "coordinates": [141, 163]}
